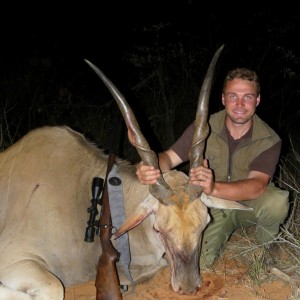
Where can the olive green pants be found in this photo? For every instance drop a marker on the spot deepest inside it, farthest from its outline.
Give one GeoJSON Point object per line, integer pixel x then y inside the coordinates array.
{"type": "Point", "coordinates": [270, 211]}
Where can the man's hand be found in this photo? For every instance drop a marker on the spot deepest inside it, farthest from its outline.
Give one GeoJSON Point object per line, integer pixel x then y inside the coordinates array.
{"type": "Point", "coordinates": [203, 176]}
{"type": "Point", "coordinates": [147, 174]}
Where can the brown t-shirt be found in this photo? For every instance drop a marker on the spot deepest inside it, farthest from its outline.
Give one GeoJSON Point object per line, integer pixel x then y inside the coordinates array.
{"type": "Point", "coordinates": [265, 162]}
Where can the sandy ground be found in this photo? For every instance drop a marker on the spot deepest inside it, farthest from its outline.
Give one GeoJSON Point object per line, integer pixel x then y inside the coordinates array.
{"type": "Point", "coordinates": [235, 276]}
{"type": "Point", "coordinates": [229, 280]}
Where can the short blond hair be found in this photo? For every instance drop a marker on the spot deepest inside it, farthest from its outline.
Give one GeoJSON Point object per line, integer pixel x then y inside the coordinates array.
{"type": "Point", "coordinates": [245, 74]}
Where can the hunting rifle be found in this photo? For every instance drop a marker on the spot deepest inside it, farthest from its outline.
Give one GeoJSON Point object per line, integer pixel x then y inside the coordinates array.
{"type": "Point", "coordinates": [107, 279]}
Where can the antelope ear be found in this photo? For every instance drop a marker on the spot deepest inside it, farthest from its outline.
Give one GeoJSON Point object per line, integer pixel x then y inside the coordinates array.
{"type": "Point", "coordinates": [144, 209]}
{"type": "Point", "coordinates": [214, 202]}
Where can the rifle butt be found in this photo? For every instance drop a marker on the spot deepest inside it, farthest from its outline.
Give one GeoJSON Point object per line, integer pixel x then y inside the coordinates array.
{"type": "Point", "coordinates": [107, 280]}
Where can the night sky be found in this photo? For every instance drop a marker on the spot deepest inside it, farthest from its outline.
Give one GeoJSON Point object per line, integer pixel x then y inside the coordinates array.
{"type": "Point", "coordinates": [101, 31]}
{"type": "Point", "coordinates": [63, 35]}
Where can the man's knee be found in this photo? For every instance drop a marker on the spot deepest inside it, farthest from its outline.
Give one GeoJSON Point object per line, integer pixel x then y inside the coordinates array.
{"type": "Point", "coordinates": [215, 235]}
{"type": "Point", "coordinates": [272, 212]}
{"type": "Point", "coordinates": [274, 205]}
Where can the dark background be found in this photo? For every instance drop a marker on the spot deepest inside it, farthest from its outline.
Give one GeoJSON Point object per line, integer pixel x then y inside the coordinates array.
{"type": "Point", "coordinates": [156, 53]}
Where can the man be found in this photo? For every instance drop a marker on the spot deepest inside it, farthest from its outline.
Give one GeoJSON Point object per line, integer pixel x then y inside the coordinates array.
{"type": "Point", "coordinates": [241, 155]}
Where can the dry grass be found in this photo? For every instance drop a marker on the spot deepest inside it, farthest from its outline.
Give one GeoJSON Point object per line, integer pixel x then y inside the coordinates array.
{"type": "Point", "coordinates": [290, 180]}
{"type": "Point", "coordinates": [254, 256]}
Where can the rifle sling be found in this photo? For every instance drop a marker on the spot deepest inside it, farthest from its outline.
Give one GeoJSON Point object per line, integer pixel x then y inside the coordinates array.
{"type": "Point", "coordinates": [117, 211]}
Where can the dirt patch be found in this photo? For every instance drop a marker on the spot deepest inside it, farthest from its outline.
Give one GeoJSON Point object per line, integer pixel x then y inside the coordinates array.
{"type": "Point", "coordinates": [234, 277]}
{"type": "Point", "coordinates": [229, 281]}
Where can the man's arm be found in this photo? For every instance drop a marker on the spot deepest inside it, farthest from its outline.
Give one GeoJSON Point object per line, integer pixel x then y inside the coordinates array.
{"type": "Point", "coordinates": [246, 189]}
{"type": "Point", "coordinates": [261, 171]}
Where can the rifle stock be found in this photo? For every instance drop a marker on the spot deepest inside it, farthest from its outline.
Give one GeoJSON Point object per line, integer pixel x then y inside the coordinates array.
{"type": "Point", "coordinates": [107, 280]}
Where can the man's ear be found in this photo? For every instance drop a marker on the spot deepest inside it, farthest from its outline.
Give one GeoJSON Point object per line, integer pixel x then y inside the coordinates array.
{"type": "Point", "coordinates": [258, 100]}
{"type": "Point", "coordinates": [223, 99]}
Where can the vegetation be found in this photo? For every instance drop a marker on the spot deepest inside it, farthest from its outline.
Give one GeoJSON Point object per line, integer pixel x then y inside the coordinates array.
{"type": "Point", "coordinates": [160, 73]}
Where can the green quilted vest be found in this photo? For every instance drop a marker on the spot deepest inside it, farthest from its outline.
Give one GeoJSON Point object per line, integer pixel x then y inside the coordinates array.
{"type": "Point", "coordinates": [217, 151]}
